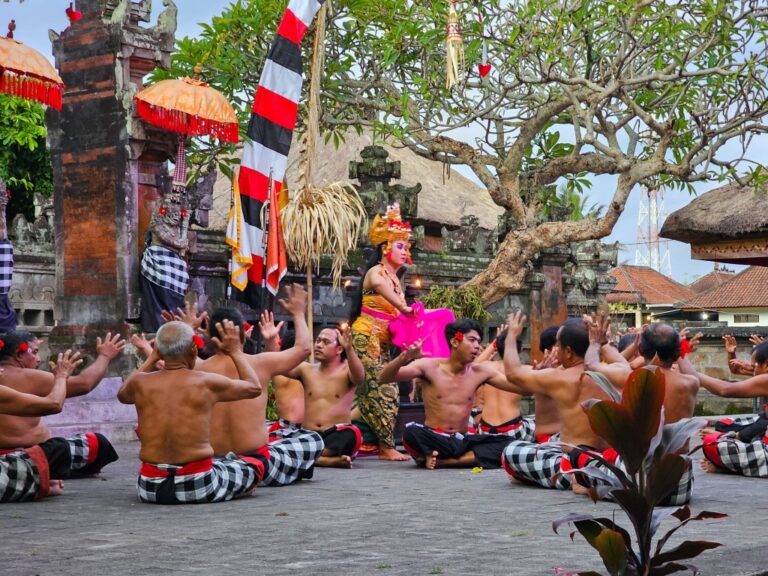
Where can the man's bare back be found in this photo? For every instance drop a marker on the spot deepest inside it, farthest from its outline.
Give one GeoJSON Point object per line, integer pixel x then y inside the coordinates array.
{"type": "Point", "coordinates": [20, 359]}
{"type": "Point", "coordinates": [240, 427]}
{"type": "Point", "coordinates": [565, 385]}
{"type": "Point", "coordinates": [175, 405]}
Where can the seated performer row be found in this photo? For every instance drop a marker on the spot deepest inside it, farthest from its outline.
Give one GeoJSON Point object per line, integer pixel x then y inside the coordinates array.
{"type": "Point", "coordinates": [32, 463]}
{"type": "Point", "coordinates": [214, 444]}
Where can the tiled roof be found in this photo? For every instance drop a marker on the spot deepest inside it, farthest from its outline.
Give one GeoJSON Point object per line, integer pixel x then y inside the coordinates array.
{"type": "Point", "coordinates": [747, 289]}
{"type": "Point", "coordinates": [711, 280]}
{"type": "Point", "coordinates": [642, 284]}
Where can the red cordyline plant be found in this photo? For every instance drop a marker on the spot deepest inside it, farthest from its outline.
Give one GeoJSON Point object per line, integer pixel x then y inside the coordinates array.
{"type": "Point", "coordinates": [655, 456]}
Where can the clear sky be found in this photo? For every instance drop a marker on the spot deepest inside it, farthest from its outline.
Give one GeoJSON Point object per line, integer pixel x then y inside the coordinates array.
{"type": "Point", "coordinates": [35, 17]}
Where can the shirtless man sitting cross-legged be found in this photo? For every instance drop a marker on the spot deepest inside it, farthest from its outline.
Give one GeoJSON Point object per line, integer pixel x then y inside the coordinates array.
{"type": "Point", "coordinates": [175, 408]}
{"type": "Point", "coordinates": [36, 472]}
{"type": "Point", "coordinates": [743, 450]}
{"type": "Point", "coordinates": [501, 409]}
{"type": "Point", "coordinates": [241, 427]}
{"type": "Point", "coordinates": [19, 359]}
{"type": "Point", "coordinates": [448, 389]}
{"type": "Point", "coordinates": [544, 464]}
{"type": "Point", "coordinates": [329, 391]}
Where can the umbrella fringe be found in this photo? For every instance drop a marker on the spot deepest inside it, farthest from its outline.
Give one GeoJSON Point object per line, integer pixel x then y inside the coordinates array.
{"type": "Point", "coordinates": [31, 88]}
{"type": "Point", "coordinates": [177, 121]}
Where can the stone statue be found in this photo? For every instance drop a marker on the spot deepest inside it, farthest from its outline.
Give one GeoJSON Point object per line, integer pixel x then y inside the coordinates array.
{"type": "Point", "coordinates": [201, 198]}
{"type": "Point", "coordinates": [166, 20]}
{"type": "Point", "coordinates": [164, 278]}
{"type": "Point", "coordinates": [469, 237]}
{"type": "Point", "coordinates": [7, 312]}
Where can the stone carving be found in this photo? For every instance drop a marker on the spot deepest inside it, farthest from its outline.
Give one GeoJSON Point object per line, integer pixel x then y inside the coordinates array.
{"type": "Point", "coordinates": [166, 20]}
{"type": "Point", "coordinates": [469, 237]}
{"type": "Point", "coordinates": [200, 196]}
{"type": "Point", "coordinates": [167, 227]}
{"type": "Point", "coordinates": [34, 237]}
{"type": "Point", "coordinates": [374, 174]}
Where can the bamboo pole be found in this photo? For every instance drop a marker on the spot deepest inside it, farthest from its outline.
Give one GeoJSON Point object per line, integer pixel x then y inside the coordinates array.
{"type": "Point", "coordinates": [310, 313]}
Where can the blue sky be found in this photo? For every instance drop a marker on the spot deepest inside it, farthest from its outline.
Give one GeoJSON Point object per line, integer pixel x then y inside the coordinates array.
{"type": "Point", "coordinates": [35, 17]}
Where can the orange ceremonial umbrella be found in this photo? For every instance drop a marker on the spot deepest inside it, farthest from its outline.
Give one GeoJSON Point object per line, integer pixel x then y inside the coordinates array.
{"type": "Point", "coordinates": [26, 73]}
{"type": "Point", "coordinates": [188, 106]}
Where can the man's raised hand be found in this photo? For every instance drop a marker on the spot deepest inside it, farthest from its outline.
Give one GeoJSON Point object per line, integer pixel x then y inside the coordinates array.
{"type": "Point", "coordinates": [345, 337]}
{"type": "Point", "coordinates": [295, 302]}
{"type": "Point", "coordinates": [413, 352]}
{"type": "Point", "coordinates": [516, 324]}
{"type": "Point", "coordinates": [65, 364]}
{"type": "Point", "coordinates": [267, 327]}
{"type": "Point", "coordinates": [730, 344]}
{"type": "Point", "coordinates": [756, 339]}
{"type": "Point", "coordinates": [111, 346]}
{"type": "Point", "coordinates": [229, 338]}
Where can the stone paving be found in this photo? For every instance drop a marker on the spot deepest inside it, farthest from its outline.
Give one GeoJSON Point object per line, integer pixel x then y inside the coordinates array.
{"type": "Point", "coordinates": [381, 519]}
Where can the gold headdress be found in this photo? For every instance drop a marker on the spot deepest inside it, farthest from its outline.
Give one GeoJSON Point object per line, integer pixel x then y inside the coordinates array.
{"type": "Point", "coordinates": [390, 229]}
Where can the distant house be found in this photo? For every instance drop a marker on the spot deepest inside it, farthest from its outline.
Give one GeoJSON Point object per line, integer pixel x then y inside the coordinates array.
{"type": "Point", "coordinates": [641, 294]}
{"type": "Point", "coordinates": [741, 301]}
{"type": "Point", "coordinates": [711, 280]}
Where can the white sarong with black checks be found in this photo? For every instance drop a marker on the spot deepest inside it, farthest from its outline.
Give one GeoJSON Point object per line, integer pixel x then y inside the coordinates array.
{"type": "Point", "coordinates": [536, 463]}
{"type": "Point", "coordinates": [226, 479]}
{"type": "Point", "coordinates": [292, 457]}
{"type": "Point", "coordinates": [745, 458]}
{"type": "Point", "coordinates": [6, 266]}
{"type": "Point", "coordinates": [165, 268]}
{"type": "Point", "coordinates": [19, 478]}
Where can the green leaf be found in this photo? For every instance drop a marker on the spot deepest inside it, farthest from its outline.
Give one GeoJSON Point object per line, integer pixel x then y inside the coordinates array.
{"type": "Point", "coordinates": [610, 545]}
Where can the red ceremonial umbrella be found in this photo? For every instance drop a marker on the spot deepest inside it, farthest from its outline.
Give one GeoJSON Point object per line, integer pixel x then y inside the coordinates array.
{"type": "Point", "coordinates": [26, 73]}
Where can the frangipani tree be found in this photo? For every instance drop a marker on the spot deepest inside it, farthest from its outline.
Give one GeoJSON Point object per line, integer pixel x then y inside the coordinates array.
{"type": "Point", "coordinates": [646, 91]}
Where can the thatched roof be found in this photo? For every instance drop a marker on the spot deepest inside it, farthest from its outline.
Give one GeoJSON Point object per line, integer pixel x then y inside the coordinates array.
{"type": "Point", "coordinates": [727, 213]}
{"type": "Point", "coordinates": [443, 200]}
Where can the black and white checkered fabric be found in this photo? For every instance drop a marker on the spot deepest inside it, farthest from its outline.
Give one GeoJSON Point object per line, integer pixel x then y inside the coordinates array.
{"type": "Point", "coordinates": [745, 458]}
{"type": "Point", "coordinates": [19, 478]}
{"type": "Point", "coordinates": [79, 450]}
{"type": "Point", "coordinates": [526, 430]}
{"type": "Point", "coordinates": [228, 478]}
{"type": "Point", "coordinates": [679, 496]}
{"type": "Point", "coordinates": [536, 463]}
{"type": "Point", "coordinates": [6, 266]}
{"type": "Point", "coordinates": [165, 268]}
{"type": "Point", "coordinates": [281, 428]}
{"type": "Point", "coordinates": [292, 458]}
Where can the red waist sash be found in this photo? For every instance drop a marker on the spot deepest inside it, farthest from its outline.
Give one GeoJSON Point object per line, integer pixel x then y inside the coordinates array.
{"type": "Point", "coordinates": [196, 467]}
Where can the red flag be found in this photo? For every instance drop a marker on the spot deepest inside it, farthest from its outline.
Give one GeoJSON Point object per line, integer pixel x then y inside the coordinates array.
{"type": "Point", "coordinates": [277, 262]}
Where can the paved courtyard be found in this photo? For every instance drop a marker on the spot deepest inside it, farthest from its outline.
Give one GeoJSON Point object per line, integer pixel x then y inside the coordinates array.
{"type": "Point", "coordinates": [380, 519]}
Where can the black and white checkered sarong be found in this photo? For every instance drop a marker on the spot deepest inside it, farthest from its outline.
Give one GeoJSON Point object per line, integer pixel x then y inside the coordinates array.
{"type": "Point", "coordinates": [536, 463]}
{"type": "Point", "coordinates": [6, 266]}
{"type": "Point", "coordinates": [292, 457]}
{"type": "Point", "coordinates": [745, 458]}
{"type": "Point", "coordinates": [165, 268]}
{"type": "Point", "coordinates": [228, 478]}
{"type": "Point", "coordinates": [25, 474]}
{"type": "Point", "coordinates": [19, 478]}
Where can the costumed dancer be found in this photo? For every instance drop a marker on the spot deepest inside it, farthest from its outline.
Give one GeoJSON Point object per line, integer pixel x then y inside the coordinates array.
{"type": "Point", "coordinates": [382, 300]}
{"type": "Point", "coordinates": [7, 313]}
{"type": "Point", "coordinates": [164, 278]}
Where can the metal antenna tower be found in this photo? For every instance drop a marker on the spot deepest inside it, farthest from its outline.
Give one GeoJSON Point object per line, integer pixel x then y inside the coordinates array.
{"type": "Point", "coordinates": [650, 250]}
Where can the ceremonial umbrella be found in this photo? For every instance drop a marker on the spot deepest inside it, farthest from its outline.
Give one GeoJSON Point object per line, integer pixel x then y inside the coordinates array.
{"type": "Point", "coordinates": [188, 107]}
{"type": "Point", "coordinates": [26, 73]}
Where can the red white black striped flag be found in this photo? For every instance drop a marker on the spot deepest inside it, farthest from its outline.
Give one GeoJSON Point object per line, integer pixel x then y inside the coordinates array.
{"type": "Point", "coordinates": [265, 156]}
